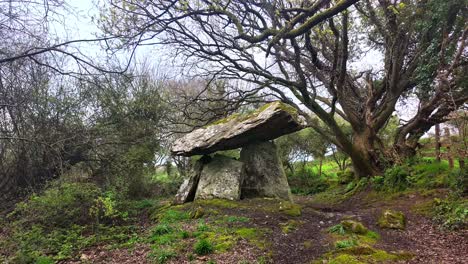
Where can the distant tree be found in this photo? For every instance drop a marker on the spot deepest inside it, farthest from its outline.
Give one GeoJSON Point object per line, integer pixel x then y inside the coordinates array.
{"type": "Point", "coordinates": [304, 51]}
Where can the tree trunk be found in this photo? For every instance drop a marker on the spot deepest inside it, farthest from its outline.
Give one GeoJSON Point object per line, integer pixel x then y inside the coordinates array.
{"type": "Point", "coordinates": [449, 148]}
{"type": "Point", "coordinates": [364, 155]}
{"type": "Point", "coordinates": [437, 142]}
{"type": "Point", "coordinates": [320, 166]}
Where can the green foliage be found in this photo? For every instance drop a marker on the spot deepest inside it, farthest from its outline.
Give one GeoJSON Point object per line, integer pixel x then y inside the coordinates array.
{"type": "Point", "coordinates": [378, 182]}
{"type": "Point", "coordinates": [396, 178]}
{"type": "Point", "coordinates": [202, 226]}
{"type": "Point", "coordinates": [65, 218]}
{"type": "Point", "coordinates": [162, 255]}
{"type": "Point", "coordinates": [418, 173]}
{"type": "Point", "coordinates": [306, 181]}
{"type": "Point", "coordinates": [451, 213]}
{"type": "Point", "coordinates": [345, 176]}
{"type": "Point", "coordinates": [172, 215]}
{"type": "Point", "coordinates": [203, 247]}
{"type": "Point", "coordinates": [341, 244]}
{"type": "Point", "coordinates": [392, 219]}
{"type": "Point", "coordinates": [337, 229]}
{"type": "Point", "coordinates": [60, 205]}
{"type": "Point", "coordinates": [162, 229]}
{"type": "Point", "coordinates": [240, 219]}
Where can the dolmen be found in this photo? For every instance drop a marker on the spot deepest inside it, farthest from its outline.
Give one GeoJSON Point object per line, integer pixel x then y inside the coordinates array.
{"type": "Point", "coordinates": [258, 171]}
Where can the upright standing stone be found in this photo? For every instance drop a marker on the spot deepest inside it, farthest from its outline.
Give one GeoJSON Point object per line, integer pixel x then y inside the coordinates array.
{"type": "Point", "coordinates": [188, 187]}
{"type": "Point", "coordinates": [220, 178]}
{"type": "Point", "coordinates": [263, 174]}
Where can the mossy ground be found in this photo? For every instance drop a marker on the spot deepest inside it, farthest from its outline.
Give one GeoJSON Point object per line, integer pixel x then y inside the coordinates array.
{"type": "Point", "coordinates": [355, 243]}
{"type": "Point", "coordinates": [272, 231]}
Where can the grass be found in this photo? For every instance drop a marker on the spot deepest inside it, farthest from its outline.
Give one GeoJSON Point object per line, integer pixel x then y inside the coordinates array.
{"type": "Point", "coordinates": [203, 247]}
{"type": "Point", "coordinates": [345, 243]}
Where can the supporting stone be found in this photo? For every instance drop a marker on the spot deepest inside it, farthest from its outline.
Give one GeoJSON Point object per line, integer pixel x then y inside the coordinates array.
{"type": "Point", "coordinates": [189, 186]}
{"type": "Point", "coordinates": [220, 178]}
{"type": "Point", "coordinates": [263, 174]}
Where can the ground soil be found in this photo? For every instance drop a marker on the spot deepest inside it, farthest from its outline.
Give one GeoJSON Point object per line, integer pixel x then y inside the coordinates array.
{"type": "Point", "coordinates": [422, 238]}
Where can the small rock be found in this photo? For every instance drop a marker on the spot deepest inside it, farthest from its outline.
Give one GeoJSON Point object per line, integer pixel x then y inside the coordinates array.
{"type": "Point", "coordinates": [392, 219]}
{"type": "Point", "coordinates": [354, 227]}
{"type": "Point", "coordinates": [84, 257]}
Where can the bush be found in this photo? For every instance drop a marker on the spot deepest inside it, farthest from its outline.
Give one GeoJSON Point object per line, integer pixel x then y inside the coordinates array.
{"type": "Point", "coordinates": [203, 247]}
{"type": "Point", "coordinates": [60, 205]}
{"type": "Point", "coordinates": [307, 182]}
{"type": "Point", "coordinates": [345, 176]}
{"type": "Point", "coordinates": [54, 222]}
{"type": "Point", "coordinates": [396, 178]}
{"type": "Point", "coordinates": [451, 213]}
{"type": "Point", "coordinates": [377, 182]}
{"type": "Point", "coordinates": [429, 174]}
{"type": "Point", "coordinates": [345, 243]}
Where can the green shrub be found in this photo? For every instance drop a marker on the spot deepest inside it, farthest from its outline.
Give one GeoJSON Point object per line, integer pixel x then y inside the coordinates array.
{"type": "Point", "coordinates": [396, 178]}
{"type": "Point", "coordinates": [184, 234]}
{"type": "Point", "coordinates": [451, 213]}
{"type": "Point", "coordinates": [172, 216]}
{"type": "Point", "coordinates": [60, 205]}
{"type": "Point", "coordinates": [345, 243]}
{"type": "Point", "coordinates": [345, 176]}
{"type": "Point", "coordinates": [337, 229]}
{"type": "Point", "coordinates": [429, 174]}
{"type": "Point", "coordinates": [65, 218]}
{"type": "Point", "coordinates": [202, 227]}
{"type": "Point", "coordinates": [203, 247]}
{"type": "Point", "coordinates": [377, 182]}
{"type": "Point", "coordinates": [162, 255]}
{"type": "Point", "coordinates": [162, 229]}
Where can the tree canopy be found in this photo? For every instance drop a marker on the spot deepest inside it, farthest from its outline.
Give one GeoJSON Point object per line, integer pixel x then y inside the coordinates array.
{"type": "Point", "coordinates": [305, 53]}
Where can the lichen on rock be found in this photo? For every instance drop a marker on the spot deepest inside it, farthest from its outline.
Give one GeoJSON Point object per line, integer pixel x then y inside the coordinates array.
{"type": "Point", "coordinates": [356, 227]}
{"type": "Point", "coordinates": [268, 122]}
{"type": "Point", "coordinates": [392, 219]}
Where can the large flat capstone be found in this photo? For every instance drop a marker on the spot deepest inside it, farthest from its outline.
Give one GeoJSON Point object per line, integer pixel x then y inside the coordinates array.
{"type": "Point", "coordinates": [268, 122]}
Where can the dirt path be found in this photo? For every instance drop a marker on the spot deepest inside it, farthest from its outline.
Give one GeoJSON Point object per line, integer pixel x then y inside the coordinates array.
{"type": "Point", "coordinates": [306, 238]}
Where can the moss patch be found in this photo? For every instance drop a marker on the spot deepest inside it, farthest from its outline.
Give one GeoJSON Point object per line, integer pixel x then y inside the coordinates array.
{"type": "Point", "coordinates": [290, 209]}
{"type": "Point", "coordinates": [354, 227]}
{"type": "Point", "coordinates": [242, 117]}
{"type": "Point", "coordinates": [363, 255]}
{"type": "Point", "coordinates": [291, 225]}
{"type": "Point", "coordinates": [221, 203]}
{"type": "Point", "coordinates": [392, 219]}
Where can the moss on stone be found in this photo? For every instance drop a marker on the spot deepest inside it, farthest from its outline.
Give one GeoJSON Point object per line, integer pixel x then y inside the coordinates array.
{"type": "Point", "coordinates": [355, 227]}
{"type": "Point", "coordinates": [222, 203]}
{"type": "Point", "coordinates": [369, 238]}
{"type": "Point", "coordinates": [392, 219]}
{"type": "Point", "coordinates": [242, 117]}
{"type": "Point", "coordinates": [362, 254]}
{"type": "Point", "coordinates": [345, 259]}
{"type": "Point", "coordinates": [290, 209]}
{"type": "Point", "coordinates": [359, 250]}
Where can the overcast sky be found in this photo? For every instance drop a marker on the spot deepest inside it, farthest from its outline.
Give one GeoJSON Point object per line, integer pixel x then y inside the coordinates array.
{"type": "Point", "coordinates": [81, 25]}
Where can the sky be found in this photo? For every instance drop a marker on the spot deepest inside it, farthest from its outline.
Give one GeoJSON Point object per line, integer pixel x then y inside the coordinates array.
{"type": "Point", "coordinates": [81, 25]}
